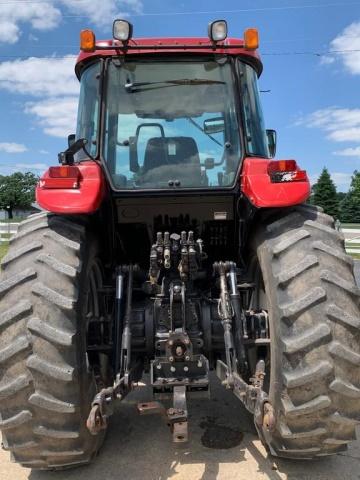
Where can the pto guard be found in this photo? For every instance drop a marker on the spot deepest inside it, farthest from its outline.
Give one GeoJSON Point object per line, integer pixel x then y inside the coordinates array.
{"type": "Point", "coordinates": [85, 198]}
{"type": "Point", "coordinates": [257, 186]}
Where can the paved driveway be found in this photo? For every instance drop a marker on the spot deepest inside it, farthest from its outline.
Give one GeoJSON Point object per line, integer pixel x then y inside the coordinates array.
{"type": "Point", "coordinates": [139, 448]}
{"type": "Point", "coordinates": [357, 271]}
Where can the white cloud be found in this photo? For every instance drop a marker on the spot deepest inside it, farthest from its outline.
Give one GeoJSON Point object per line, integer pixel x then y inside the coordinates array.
{"type": "Point", "coordinates": [12, 147]}
{"type": "Point", "coordinates": [31, 166]}
{"type": "Point", "coordinates": [103, 12]}
{"type": "Point", "coordinates": [44, 152]}
{"type": "Point", "coordinates": [53, 80]}
{"type": "Point", "coordinates": [36, 168]}
{"type": "Point", "coordinates": [349, 152]}
{"type": "Point", "coordinates": [327, 60]}
{"type": "Point", "coordinates": [41, 16]}
{"type": "Point", "coordinates": [341, 180]}
{"type": "Point", "coordinates": [57, 116]}
{"type": "Point", "coordinates": [9, 32]}
{"type": "Point", "coordinates": [46, 15]}
{"type": "Point", "coordinates": [40, 76]}
{"type": "Point", "coordinates": [348, 39]}
{"type": "Point", "coordinates": [33, 38]}
{"type": "Point", "coordinates": [340, 124]}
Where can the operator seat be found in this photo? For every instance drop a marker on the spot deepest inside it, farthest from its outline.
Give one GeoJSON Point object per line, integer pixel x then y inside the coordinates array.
{"type": "Point", "coordinates": [172, 158]}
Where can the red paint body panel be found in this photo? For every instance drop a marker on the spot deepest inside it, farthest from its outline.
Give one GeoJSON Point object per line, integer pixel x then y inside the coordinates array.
{"type": "Point", "coordinates": [85, 199]}
{"type": "Point", "coordinates": [257, 187]}
{"type": "Point", "coordinates": [160, 50]}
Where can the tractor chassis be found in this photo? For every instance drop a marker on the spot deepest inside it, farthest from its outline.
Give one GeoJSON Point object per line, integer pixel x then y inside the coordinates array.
{"type": "Point", "coordinates": [180, 372]}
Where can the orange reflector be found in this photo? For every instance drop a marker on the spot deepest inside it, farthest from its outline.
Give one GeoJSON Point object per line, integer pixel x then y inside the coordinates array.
{"type": "Point", "coordinates": [251, 39]}
{"type": "Point", "coordinates": [282, 166]}
{"type": "Point", "coordinates": [87, 40]}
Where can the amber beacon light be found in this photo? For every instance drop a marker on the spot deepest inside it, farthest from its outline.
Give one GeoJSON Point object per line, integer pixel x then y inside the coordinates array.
{"type": "Point", "coordinates": [251, 38]}
{"type": "Point", "coordinates": [87, 40]}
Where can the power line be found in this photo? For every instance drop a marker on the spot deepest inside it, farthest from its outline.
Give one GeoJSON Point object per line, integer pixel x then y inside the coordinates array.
{"type": "Point", "coordinates": [316, 54]}
{"type": "Point", "coordinates": [204, 12]}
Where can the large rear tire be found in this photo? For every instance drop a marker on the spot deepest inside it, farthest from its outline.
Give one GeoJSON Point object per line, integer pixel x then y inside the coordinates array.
{"type": "Point", "coordinates": [47, 285]}
{"type": "Point", "coordinates": [313, 304]}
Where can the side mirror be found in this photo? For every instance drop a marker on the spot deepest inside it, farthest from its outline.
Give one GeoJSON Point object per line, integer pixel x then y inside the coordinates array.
{"type": "Point", "coordinates": [209, 163]}
{"type": "Point", "coordinates": [214, 125]}
{"type": "Point", "coordinates": [271, 137]}
{"type": "Point", "coordinates": [71, 139]}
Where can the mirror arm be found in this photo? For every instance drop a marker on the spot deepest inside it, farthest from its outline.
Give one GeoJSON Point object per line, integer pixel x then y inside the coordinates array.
{"type": "Point", "coordinates": [67, 157]}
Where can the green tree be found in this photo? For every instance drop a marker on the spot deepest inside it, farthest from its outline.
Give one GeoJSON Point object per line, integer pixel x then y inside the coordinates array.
{"type": "Point", "coordinates": [350, 205]}
{"type": "Point", "coordinates": [325, 194]}
{"type": "Point", "coordinates": [341, 196]}
{"type": "Point", "coordinates": [17, 191]}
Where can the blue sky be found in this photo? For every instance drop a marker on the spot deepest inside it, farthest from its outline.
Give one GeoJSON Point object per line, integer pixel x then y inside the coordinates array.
{"type": "Point", "coordinates": [314, 99]}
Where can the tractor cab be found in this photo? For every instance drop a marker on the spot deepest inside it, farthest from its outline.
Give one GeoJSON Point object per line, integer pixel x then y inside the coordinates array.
{"type": "Point", "coordinates": [174, 122]}
{"type": "Point", "coordinates": [170, 115]}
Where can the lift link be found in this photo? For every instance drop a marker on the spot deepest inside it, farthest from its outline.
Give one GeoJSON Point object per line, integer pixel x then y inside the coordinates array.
{"type": "Point", "coordinates": [251, 395]}
{"type": "Point", "coordinates": [226, 314]}
{"type": "Point", "coordinates": [127, 375]}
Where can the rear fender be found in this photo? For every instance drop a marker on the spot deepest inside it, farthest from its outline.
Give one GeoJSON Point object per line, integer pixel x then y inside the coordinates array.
{"type": "Point", "coordinates": [85, 198]}
{"type": "Point", "coordinates": [256, 185]}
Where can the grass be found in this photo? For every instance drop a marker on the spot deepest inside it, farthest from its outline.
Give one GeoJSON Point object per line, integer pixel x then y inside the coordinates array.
{"type": "Point", "coordinates": [13, 220]}
{"type": "Point", "coordinates": [5, 235]}
{"type": "Point", "coordinates": [356, 256]}
{"type": "Point", "coordinates": [3, 249]}
{"type": "Point", "coordinates": [351, 225]}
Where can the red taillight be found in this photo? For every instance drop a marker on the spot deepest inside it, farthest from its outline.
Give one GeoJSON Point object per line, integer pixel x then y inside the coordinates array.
{"type": "Point", "coordinates": [286, 171]}
{"type": "Point", "coordinates": [65, 176]}
{"type": "Point", "coordinates": [65, 171]}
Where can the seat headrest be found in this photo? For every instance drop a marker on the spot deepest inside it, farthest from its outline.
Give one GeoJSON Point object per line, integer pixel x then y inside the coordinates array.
{"type": "Point", "coordinates": [170, 150]}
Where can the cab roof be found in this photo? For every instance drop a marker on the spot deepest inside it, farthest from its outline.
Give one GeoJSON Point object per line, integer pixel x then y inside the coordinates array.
{"type": "Point", "coordinates": [166, 46]}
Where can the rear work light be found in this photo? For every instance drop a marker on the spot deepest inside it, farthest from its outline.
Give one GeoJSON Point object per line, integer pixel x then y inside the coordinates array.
{"type": "Point", "coordinates": [122, 30]}
{"type": "Point", "coordinates": [282, 171]}
{"type": "Point", "coordinates": [217, 31]}
{"type": "Point", "coordinates": [66, 176]}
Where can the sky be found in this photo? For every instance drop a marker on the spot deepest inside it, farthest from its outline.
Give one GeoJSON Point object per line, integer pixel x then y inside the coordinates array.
{"type": "Point", "coordinates": [311, 79]}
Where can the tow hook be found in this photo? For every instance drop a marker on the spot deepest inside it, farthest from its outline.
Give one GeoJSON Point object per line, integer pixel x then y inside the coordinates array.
{"type": "Point", "coordinates": [176, 417]}
{"type": "Point", "coordinates": [269, 420]}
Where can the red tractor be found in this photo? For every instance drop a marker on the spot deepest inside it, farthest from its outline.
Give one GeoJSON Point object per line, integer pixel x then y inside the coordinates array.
{"type": "Point", "coordinates": [172, 244]}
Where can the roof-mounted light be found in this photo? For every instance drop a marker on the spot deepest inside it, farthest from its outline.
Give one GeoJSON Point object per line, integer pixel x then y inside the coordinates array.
{"type": "Point", "coordinates": [217, 31]}
{"type": "Point", "coordinates": [251, 39]}
{"type": "Point", "coordinates": [122, 30]}
{"type": "Point", "coordinates": [87, 41]}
